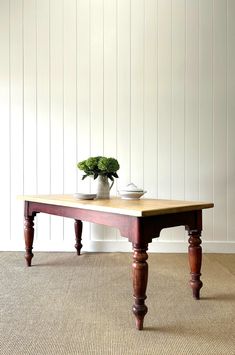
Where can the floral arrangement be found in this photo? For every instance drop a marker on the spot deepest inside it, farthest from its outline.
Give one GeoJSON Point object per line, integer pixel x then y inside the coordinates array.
{"type": "Point", "coordinates": [95, 166]}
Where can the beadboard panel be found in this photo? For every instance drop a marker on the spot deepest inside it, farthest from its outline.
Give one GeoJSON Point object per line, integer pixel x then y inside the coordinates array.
{"type": "Point", "coordinates": [110, 89]}
{"type": "Point", "coordinates": [220, 118]}
{"type": "Point", "coordinates": [56, 81]}
{"type": "Point", "coordinates": [69, 106]}
{"type": "Point", "coordinates": [137, 93]}
{"type": "Point", "coordinates": [150, 82]}
{"type": "Point", "coordinates": [83, 96]}
{"type": "Point", "coordinates": [123, 98]}
{"type": "Point", "coordinates": [178, 106]}
{"type": "Point", "coordinates": [150, 100]}
{"type": "Point", "coordinates": [206, 110]}
{"type": "Point", "coordinates": [16, 118]}
{"type": "Point", "coordinates": [43, 107]}
{"type": "Point", "coordinates": [5, 112]}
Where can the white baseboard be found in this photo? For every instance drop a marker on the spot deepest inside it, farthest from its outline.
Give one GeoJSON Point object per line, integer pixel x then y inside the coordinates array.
{"type": "Point", "coordinates": [158, 246]}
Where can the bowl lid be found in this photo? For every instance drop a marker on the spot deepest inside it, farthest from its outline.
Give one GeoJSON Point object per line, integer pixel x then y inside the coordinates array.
{"type": "Point", "coordinates": [132, 188]}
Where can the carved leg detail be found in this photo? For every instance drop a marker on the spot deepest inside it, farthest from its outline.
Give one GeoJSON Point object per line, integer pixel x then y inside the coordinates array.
{"type": "Point", "coordinates": [195, 260]}
{"type": "Point", "coordinates": [140, 279]}
{"type": "Point", "coordinates": [78, 236]}
{"type": "Point", "coordinates": [28, 236]}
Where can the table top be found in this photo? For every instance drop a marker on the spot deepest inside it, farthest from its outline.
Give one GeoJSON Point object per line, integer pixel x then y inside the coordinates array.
{"type": "Point", "coordinates": [138, 208]}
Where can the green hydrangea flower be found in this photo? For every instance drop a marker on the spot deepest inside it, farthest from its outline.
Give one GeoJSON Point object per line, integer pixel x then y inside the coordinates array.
{"type": "Point", "coordinates": [99, 166]}
{"type": "Point", "coordinates": [92, 163]}
{"type": "Point", "coordinates": [108, 165]}
{"type": "Point", "coordinates": [82, 165]}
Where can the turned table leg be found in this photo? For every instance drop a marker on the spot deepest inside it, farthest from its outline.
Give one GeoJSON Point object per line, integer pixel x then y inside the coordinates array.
{"type": "Point", "coordinates": [78, 235]}
{"type": "Point", "coordinates": [28, 236]}
{"type": "Point", "coordinates": [140, 279]}
{"type": "Point", "coordinates": [195, 260]}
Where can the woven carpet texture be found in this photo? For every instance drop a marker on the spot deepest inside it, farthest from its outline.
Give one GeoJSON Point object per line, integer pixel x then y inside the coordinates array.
{"type": "Point", "coordinates": [65, 304]}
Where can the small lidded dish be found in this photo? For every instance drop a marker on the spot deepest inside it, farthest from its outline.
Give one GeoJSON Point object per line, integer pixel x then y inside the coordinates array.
{"type": "Point", "coordinates": [131, 192]}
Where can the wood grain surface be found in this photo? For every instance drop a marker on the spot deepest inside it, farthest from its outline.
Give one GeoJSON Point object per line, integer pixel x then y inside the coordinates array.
{"type": "Point", "coordinates": [139, 208]}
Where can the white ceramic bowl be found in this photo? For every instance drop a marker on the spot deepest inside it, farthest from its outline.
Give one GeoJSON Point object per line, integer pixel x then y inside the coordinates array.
{"type": "Point", "coordinates": [131, 192]}
{"type": "Point", "coordinates": [131, 195]}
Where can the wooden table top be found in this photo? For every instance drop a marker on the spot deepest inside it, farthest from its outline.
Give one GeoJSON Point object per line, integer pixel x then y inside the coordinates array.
{"type": "Point", "coordinates": [138, 208]}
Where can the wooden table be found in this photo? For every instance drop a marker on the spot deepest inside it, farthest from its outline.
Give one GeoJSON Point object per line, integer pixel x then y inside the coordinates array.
{"type": "Point", "coordinates": [138, 220]}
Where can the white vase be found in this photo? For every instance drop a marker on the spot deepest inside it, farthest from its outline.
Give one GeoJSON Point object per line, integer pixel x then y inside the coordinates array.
{"type": "Point", "coordinates": [103, 188]}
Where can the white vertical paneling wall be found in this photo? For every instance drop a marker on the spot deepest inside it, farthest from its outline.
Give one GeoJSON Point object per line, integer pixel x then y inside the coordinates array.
{"type": "Point", "coordinates": [150, 82]}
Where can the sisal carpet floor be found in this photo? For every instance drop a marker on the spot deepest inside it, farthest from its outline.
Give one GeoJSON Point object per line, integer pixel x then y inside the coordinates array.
{"type": "Point", "coordinates": [66, 305]}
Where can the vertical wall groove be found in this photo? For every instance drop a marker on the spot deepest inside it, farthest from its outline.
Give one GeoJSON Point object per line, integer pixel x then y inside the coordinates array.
{"type": "Point", "coordinates": [171, 113]}
{"type": "Point", "coordinates": [130, 124]}
{"type": "Point", "coordinates": [185, 54]}
{"type": "Point", "coordinates": [9, 147]}
{"type": "Point", "coordinates": [213, 123]}
{"type": "Point", "coordinates": [199, 125]}
{"type": "Point", "coordinates": [143, 88]}
{"type": "Point", "coordinates": [157, 148]}
{"type": "Point", "coordinates": [227, 173]}
{"type": "Point", "coordinates": [36, 90]}
{"type": "Point", "coordinates": [23, 127]}
{"type": "Point", "coordinates": [63, 124]}
{"type": "Point", "coordinates": [49, 85]}
{"type": "Point", "coordinates": [103, 86]}
{"type": "Point", "coordinates": [89, 77]}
